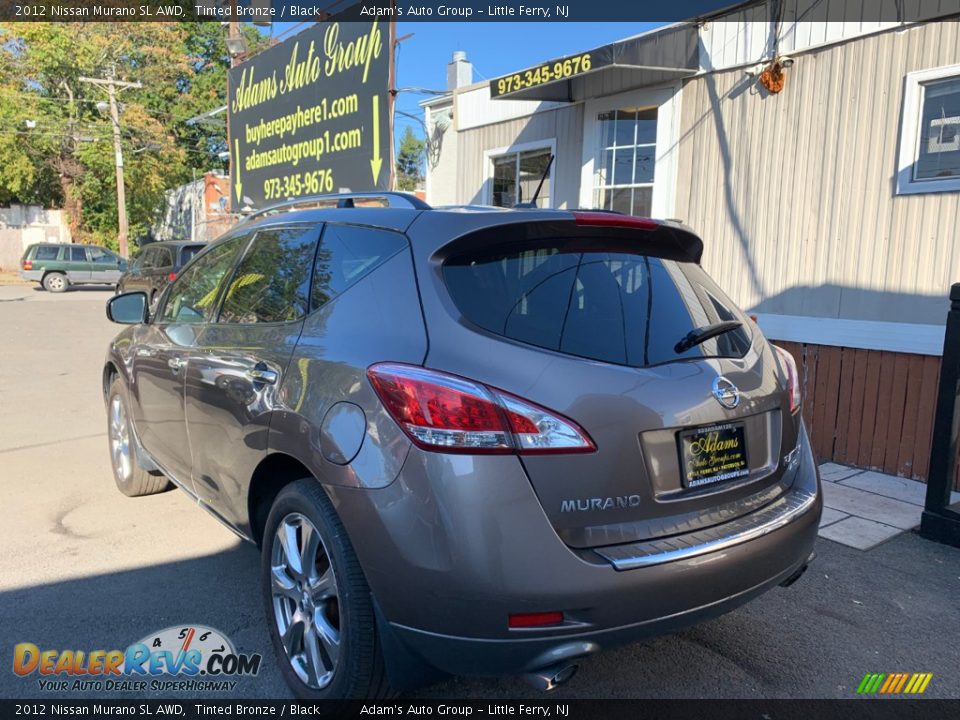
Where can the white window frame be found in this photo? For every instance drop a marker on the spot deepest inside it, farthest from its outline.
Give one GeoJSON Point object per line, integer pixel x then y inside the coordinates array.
{"type": "Point", "coordinates": [666, 164]}
{"type": "Point", "coordinates": [489, 155]}
{"type": "Point", "coordinates": [910, 133]}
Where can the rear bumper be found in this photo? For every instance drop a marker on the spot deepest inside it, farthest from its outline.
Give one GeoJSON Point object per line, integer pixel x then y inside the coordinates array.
{"type": "Point", "coordinates": [448, 562]}
{"type": "Point", "coordinates": [473, 656]}
{"type": "Point", "coordinates": [32, 275]}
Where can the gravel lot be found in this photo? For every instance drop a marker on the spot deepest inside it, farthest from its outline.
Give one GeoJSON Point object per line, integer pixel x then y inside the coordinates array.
{"type": "Point", "coordinates": [87, 568]}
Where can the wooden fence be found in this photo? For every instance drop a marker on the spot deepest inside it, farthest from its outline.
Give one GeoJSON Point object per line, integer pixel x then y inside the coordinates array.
{"type": "Point", "coordinates": [869, 408]}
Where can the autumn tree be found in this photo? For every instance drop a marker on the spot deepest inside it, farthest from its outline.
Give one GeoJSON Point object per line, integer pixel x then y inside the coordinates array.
{"type": "Point", "coordinates": [55, 141]}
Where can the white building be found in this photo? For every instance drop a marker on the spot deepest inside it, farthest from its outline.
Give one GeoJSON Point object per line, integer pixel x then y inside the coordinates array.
{"type": "Point", "coordinates": [829, 208]}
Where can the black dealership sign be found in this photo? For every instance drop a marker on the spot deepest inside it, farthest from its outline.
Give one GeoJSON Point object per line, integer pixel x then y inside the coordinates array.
{"type": "Point", "coordinates": [311, 116]}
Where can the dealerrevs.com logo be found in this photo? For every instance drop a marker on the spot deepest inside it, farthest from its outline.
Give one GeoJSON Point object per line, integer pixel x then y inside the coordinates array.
{"type": "Point", "coordinates": [189, 658]}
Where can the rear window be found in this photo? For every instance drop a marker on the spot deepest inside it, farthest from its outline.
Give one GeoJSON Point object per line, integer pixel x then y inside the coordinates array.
{"type": "Point", "coordinates": [46, 252]}
{"type": "Point", "coordinates": [188, 252]}
{"type": "Point", "coordinates": [617, 307]}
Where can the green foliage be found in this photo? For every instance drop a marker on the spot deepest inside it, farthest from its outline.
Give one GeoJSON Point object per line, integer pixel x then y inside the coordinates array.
{"type": "Point", "coordinates": [56, 146]}
{"type": "Point", "coordinates": [410, 160]}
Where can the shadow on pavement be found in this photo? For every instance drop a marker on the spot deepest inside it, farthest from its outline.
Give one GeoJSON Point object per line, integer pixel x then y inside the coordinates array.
{"type": "Point", "coordinates": [111, 611]}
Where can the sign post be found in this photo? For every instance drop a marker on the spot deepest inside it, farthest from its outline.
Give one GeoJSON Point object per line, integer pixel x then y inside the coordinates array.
{"type": "Point", "coordinates": [311, 115]}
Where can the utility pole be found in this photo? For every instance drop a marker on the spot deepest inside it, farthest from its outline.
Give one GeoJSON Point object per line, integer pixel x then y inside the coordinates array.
{"type": "Point", "coordinates": [111, 84]}
{"type": "Point", "coordinates": [233, 32]}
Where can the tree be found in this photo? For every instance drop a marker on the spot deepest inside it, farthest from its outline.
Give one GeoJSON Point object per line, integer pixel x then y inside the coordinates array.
{"type": "Point", "coordinates": [410, 160]}
{"type": "Point", "coordinates": [56, 145]}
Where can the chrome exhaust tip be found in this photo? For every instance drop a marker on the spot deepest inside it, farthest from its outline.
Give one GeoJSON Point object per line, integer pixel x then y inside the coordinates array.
{"type": "Point", "coordinates": [551, 677]}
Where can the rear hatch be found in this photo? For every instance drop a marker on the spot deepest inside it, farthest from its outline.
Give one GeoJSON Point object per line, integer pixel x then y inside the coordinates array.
{"type": "Point", "coordinates": [584, 318]}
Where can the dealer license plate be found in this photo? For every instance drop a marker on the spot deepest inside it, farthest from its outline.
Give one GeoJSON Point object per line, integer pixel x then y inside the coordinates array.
{"type": "Point", "coordinates": [713, 454]}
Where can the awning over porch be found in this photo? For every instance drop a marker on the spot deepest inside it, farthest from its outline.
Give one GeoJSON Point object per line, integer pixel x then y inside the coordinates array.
{"type": "Point", "coordinates": [653, 58]}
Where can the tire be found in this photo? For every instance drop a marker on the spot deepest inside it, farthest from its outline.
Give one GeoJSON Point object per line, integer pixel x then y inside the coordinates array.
{"type": "Point", "coordinates": [131, 479]}
{"type": "Point", "coordinates": [55, 282]}
{"type": "Point", "coordinates": [351, 667]}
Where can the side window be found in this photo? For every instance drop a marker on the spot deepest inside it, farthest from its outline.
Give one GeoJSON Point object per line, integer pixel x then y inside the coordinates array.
{"type": "Point", "coordinates": [146, 260]}
{"type": "Point", "coordinates": [77, 254]}
{"type": "Point", "coordinates": [346, 255]}
{"type": "Point", "coordinates": [164, 258]}
{"type": "Point", "coordinates": [101, 256]}
{"type": "Point", "coordinates": [192, 298]}
{"type": "Point", "coordinates": [47, 252]}
{"type": "Point", "coordinates": [272, 282]}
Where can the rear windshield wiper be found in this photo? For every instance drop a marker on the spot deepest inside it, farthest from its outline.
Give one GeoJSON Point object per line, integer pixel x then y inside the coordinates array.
{"type": "Point", "coordinates": [704, 333]}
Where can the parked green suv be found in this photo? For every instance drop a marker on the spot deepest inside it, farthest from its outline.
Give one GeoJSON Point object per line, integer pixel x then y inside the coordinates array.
{"type": "Point", "coordinates": [58, 266]}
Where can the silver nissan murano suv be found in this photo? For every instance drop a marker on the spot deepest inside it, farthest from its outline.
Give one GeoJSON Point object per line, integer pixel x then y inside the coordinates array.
{"type": "Point", "coordinates": [467, 440]}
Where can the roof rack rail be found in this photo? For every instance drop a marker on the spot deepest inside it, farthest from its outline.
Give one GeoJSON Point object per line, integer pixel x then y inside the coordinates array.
{"type": "Point", "coordinates": [343, 200]}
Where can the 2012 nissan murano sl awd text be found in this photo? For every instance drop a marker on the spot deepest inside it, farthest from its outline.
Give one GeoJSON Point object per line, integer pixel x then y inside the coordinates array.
{"type": "Point", "coordinates": [467, 440]}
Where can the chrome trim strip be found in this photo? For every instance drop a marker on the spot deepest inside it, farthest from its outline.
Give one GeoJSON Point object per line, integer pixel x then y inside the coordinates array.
{"type": "Point", "coordinates": [681, 547]}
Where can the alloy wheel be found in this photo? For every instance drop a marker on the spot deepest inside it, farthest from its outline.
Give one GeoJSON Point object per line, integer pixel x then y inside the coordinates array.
{"type": "Point", "coordinates": [305, 600]}
{"type": "Point", "coordinates": [120, 440]}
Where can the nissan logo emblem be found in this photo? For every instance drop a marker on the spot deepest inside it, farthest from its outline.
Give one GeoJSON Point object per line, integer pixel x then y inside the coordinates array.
{"type": "Point", "coordinates": [726, 392]}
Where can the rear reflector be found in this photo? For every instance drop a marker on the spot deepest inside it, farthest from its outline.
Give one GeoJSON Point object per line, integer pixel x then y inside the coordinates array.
{"type": "Point", "coordinates": [447, 413]}
{"type": "Point", "coordinates": [600, 219]}
{"type": "Point", "coordinates": [172, 276]}
{"type": "Point", "coordinates": [793, 381]}
{"type": "Point", "coordinates": [528, 620]}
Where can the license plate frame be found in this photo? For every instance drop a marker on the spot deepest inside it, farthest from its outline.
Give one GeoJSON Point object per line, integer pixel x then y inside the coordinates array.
{"type": "Point", "coordinates": [714, 460]}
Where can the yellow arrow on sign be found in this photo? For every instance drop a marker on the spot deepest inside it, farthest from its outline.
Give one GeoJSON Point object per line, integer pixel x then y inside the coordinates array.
{"type": "Point", "coordinates": [376, 161]}
{"type": "Point", "coordinates": [236, 169]}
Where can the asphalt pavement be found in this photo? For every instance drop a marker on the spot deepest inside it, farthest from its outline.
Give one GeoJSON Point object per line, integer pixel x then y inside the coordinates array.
{"type": "Point", "coordinates": [83, 567]}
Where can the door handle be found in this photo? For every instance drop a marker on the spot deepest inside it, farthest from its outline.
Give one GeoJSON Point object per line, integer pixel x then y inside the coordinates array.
{"type": "Point", "coordinates": [176, 363]}
{"type": "Point", "coordinates": [263, 375]}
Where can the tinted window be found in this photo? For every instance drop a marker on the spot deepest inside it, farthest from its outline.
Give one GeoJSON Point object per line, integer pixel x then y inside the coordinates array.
{"type": "Point", "coordinates": [616, 307]}
{"type": "Point", "coordinates": [272, 282]}
{"type": "Point", "coordinates": [347, 254]}
{"type": "Point", "coordinates": [188, 252]}
{"type": "Point", "coordinates": [147, 258]}
{"type": "Point", "coordinates": [164, 258]}
{"type": "Point", "coordinates": [192, 298]}
{"type": "Point", "coordinates": [47, 252]}
{"type": "Point", "coordinates": [99, 255]}
{"type": "Point", "coordinates": [77, 254]}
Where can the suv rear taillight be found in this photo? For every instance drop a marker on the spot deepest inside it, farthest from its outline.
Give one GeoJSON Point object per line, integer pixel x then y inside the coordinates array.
{"type": "Point", "coordinates": [793, 379]}
{"type": "Point", "coordinates": [447, 413]}
{"type": "Point", "coordinates": [28, 264]}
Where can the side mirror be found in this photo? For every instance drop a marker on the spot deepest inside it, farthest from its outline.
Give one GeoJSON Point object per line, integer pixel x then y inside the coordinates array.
{"type": "Point", "coordinates": [128, 308]}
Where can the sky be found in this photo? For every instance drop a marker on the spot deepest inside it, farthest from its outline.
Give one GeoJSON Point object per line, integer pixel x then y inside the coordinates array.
{"type": "Point", "coordinates": [494, 48]}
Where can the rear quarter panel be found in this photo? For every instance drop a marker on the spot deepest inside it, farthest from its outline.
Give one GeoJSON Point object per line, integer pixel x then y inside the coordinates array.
{"type": "Point", "coordinates": [377, 319]}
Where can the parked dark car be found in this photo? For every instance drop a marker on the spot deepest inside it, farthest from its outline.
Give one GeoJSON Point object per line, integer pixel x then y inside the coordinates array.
{"type": "Point", "coordinates": [467, 440]}
{"type": "Point", "coordinates": [156, 266]}
{"type": "Point", "coordinates": [57, 266]}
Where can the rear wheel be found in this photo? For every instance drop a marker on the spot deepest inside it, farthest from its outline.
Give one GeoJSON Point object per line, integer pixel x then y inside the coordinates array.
{"type": "Point", "coordinates": [55, 282]}
{"type": "Point", "coordinates": [317, 600]}
{"type": "Point", "coordinates": [131, 479]}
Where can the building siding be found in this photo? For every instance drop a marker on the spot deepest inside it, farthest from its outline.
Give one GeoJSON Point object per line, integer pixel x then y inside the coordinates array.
{"type": "Point", "coordinates": [746, 35]}
{"type": "Point", "coordinates": [794, 193]}
{"type": "Point", "coordinates": [565, 125]}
